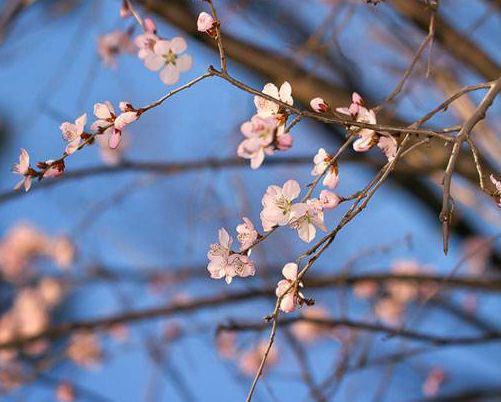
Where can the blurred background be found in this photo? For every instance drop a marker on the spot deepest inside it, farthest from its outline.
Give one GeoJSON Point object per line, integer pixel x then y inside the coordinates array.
{"type": "Point", "coordinates": [141, 236]}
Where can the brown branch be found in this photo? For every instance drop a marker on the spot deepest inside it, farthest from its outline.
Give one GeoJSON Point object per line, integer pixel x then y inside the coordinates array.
{"type": "Point", "coordinates": [366, 326]}
{"type": "Point", "coordinates": [458, 45]}
{"type": "Point", "coordinates": [480, 112]}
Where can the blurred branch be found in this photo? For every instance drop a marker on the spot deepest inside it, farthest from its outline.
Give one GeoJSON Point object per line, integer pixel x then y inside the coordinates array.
{"type": "Point", "coordinates": [364, 326]}
{"type": "Point", "coordinates": [461, 47]}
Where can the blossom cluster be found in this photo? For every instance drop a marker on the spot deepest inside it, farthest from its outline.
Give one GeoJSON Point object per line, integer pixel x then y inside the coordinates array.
{"type": "Point", "coordinates": [224, 262]}
{"type": "Point", "coordinates": [367, 137]}
{"type": "Point", "coordinates": [159, 54]}
{"type": "Point", "coordinates": [265, 132]}
{"type": "Point", "coordinates": [107, 129]}
{"type": "Point", "coordinates": [28, 316]}
{"type": "Point", "coordinates": [396, 294]}
{"type": "Point", "coordinates": [23, 244]}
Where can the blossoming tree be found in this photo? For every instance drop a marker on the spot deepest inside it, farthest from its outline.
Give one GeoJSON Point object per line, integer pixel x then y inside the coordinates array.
{"type": "Point", "coordinates": [292, 254]}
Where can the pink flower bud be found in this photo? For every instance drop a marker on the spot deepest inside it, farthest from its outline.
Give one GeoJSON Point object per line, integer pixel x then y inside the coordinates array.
{"type": "Point", "coordinates": [205, 22]}
{"type": "Point", "coordinates": [319, 105]}
{"type": "Point", "coordinates": [356, 98]}
{"type": "Point", "coordinates": [125, 10]}
{"type": "Point", "coordinates": [328, 199]}
{"type": "Point", "coordinates": [149, 25]}
{"type": "Point", "coordinates": [284, 142]}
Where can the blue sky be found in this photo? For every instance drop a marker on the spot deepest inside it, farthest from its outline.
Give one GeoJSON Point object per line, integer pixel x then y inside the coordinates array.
{"type": "Point", "coordinates": [50, 68]}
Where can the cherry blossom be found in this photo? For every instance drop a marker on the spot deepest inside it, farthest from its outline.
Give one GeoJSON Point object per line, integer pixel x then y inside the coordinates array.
{"type": "Point", "coordinates": [23, 169]}
{"type": "Point", "coordinates": [247, 234]}
{"type": "Point", "coordinates": [150, 26]}
{"type": "Point", "coordinates": [277, 204]}
{"type": "Point", "coordinates": [146, 42]}
{"type": "Point", "coordinates": [319, 105]}
{"type": "Point", "coordinates": [367, 137]}
{"type": "Point", "coordinates": [389, 310]}
{"type": "Point", "coordinates": [52, 168]}
{"type": "Point", "coordinates": [283, 140]}
{"type": "Point", "coordinates": [84, 349]}
{"type": "Point", "coordinates": [306, 217]}
{"type": "Point", "coordinates": [65, 392]}
{"type": "Point", "coordinates": [356, 103]}
{"type": "Point", "coordinates": [388, 144]}
{"type": "Point", "coordinates": [323, 163]}
{"type": "Point", "coordinates": [168, 56]}
{"type": "Point", "coordinates": [267, 107]}
{"type": "Point", "coordinates": [109, 124]}
{"type": "Point", "coordinates": [433, 382]}
{"type": "Point", "coordinates": [125, 10]}
{"type": "Point", "coordinates": [309, 331]}
{"type": "Point", "coordinates": [113, 44]}
{"type": "Point", "coordinates": [206, 23]}
{"type": "Point", "coordinates": [250, 361]}
{"type": "Point", "coordinates": [328, 199]}
{"type": "Point", "coordinates": [365, 289]}
{"type": "Point", "coordinates": [259, 133]}
{"type": "Point", "coordinates": [223, 263]}
{"type": "Point", "coordinates": [287, 289]}
{"type": "Point", "coordinates": [72, 133]}
{"type": "Point", "coordinates": [404, 291]}
{"type": "Point", "coordinates": [226, 344]}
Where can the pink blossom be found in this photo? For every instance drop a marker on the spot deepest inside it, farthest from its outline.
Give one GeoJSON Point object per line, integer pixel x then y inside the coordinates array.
{"type": "Point", "coordinates": [223, 263]}
{"type": "Point", "coordinates": [51, 291]}
{"type": "Point", "coordinates": [226, 344]}
{"type": "Point", "coordinates": [62, 251]}
{"type": "Point", "coordinates": [265, 107]}
{"type": "Point", "coordinates": [205, 22]}
{"type": "Point", "coordinates": [319, 105]}
{"type": "Point", "coordinates": [23, 169]}
{"type": "Point", "coordinates": [284, 141]}
{"type": "Point", "coordinates": [250, 361]}
{"type": "Point", "coordinates": [119, 332]}
{"type": "Point", "coordinates": [109, 124]}
{"type": "Point", "coordinates": [365, 289]}
{"type": "Point", "coordinates": [150, 26]}
{"type": "Point", "coordinates": [247, 235]}
{"type": "Point", "coordinates": [72, 133]}
{"type": "Point", "coordinates": [30, 313]}
{"type": "Point", "coordinates": [309, 331]}
{"type": "Point", "coordinates": [65, 392]}
{"type": "Point", "coordinates": [404, 291]}
{"type": "Point", "coordinates": [323, 163]}
{"type": "Point", "coordinates": [433, 382]}
{"type": "Point", "coordinates": [367, 137]}
{"type": "Point", "coordinates": [259, 133]}
{"type": "Point", "coordinates": [353, 110]}
{"type": "Point", "coordinates": [167, 56]}
{"type": "Point", "coordinates": [277, 204]}
{"type": "Point", "coordinates": [389, 311]}
{"type": "Point", "coordinates": [287, 289]}
{"type": "Point", "coordinates": [124, 10]}
{"type": "Point", "coordinates": [113, 44]}
{"type": "Point", "coordinates": [306, 217]}
{"type": "Point", "coordinates": [84, 349]}
{"type": "Point", "coordinates": [388, 144]}
{"type": "Point", "coordinates": [328, 199]}
{"type": "Point", "coordinates": [146, 42]}
{"type": "Point", "coordinates": [52, 168]}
